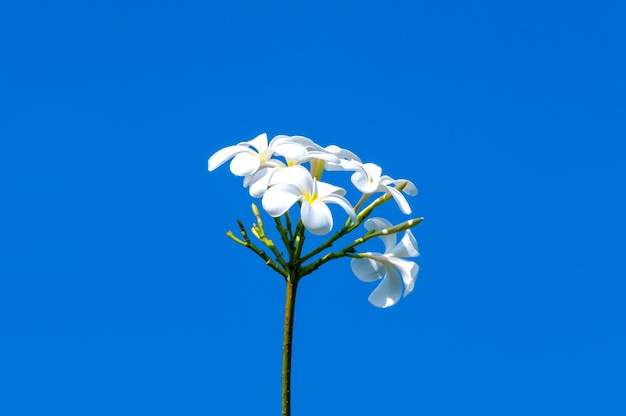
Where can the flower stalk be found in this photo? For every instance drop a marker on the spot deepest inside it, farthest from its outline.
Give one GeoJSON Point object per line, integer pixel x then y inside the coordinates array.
{"type": "Point", "coordinates": [290, 305]}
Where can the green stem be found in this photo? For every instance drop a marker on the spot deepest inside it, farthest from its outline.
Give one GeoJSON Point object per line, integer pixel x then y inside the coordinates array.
{"type": "Point", "coordinates": [349, 249]}
{"type": "Point", "coordinates": [290, 303]}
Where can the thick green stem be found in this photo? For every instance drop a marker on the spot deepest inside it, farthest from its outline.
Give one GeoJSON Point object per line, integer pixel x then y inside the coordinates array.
{"type": "Point", "coordinates": [290, 304]}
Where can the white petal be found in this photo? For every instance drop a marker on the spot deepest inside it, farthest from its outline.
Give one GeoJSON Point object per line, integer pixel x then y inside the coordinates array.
{"type": "Point", "coordinates": [259, 142]}
{"type": "Point", "coordinates": [407, 247]}
{"type": "Point", "coordinates": [324, 189]}
{"type": "Point", "coordinates": [297, 176]}
{"type": "Point", "coordinates": [245, 163]}
{"type": "Point", "coordinates": [313, 154]}
{"type": "Point", "coordinates": [400, 200]}
{"type": "Point", "coordinates": [259, 182]}
{"type": "Point", "coordinates": [342, 153]}
{"type": "Point", "coordinates": [373, 171]}
{"type": "Point", "coordinates": [367, 269]}
{"type": "Point", "coordinates": [343, 165]}
{"type": "Point", "coordinates": [279, 198]}
{"type": "Point", "coordinates": [316, 217]}
{"type": "Point", "coordinates": [388, 292]}
{"type": "Point", "coordinates": [361, 178]}
{"type": "Point", "coordinates": [363, 183]}
{"type": "Point", "coordinates": [301, 140]}
{"type": "Point", "coordinates": [218, 158]}
{"type": "Point", "coordinates": [342, 202]}
{"type": "Point", "coordinates": [291, 151]}
{"type": "Point", "coordinates": [409, 278]}
{"type": "Point", "coordinates": [408, 270]}
{"type": "Point", "coordinates": [409, 189]}
{"type": "Point", "coordinates": [377, 224]}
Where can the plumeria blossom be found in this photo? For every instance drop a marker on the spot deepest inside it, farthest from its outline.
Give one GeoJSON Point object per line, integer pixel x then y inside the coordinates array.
{"type": "Point", "coordinates": [253, 159]}
{"type": "Point", "coordinates": [248, 156]}
{"type": "Point", "coordinates": [320, 158]}
{"type": "Point", "coordinates": [316, 155]}
{"type": "Point", "coordinates": [295, 184]}
{"type": "Point", "coordinates": [390, 266]}
{"type": "Point", "coordinates": [335, 157]}
{"type": "Point", "coordinates": [368, 178]}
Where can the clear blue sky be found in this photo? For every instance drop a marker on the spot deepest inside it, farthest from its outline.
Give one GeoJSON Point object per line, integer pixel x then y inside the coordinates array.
{"type": "Point", "coordinates": [121, 295]}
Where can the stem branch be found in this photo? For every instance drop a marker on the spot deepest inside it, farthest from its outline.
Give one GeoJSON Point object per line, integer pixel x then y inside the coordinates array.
{"type": "Point", "coordinates": [290, 303]}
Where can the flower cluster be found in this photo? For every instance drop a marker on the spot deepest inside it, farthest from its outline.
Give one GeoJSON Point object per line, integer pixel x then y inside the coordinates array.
{"type": "Point", "coordinates": [288, 170]}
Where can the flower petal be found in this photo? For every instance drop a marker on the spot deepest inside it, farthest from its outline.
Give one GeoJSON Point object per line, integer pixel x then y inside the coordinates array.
{"type": "Point", "coordinates": [324, 189]}
{"type": "Point", "coordinates": [367, 269]}
{"type": "Point", "coordinates": [298, 176]}
{"type": "Point", "coordinates": [259, 142]}
{"type": "Point", "coordinates": [373, 171]}
{"type": "Point", "coordinates": [408, 270]}
{"type": "Point", "coordinates": [279, 198]}
{"type": "Point", "coordinates": [245, 163]}
{"type": "Point", "coordinates": [342, 202]}
{"type": "Point", "coordinates": [377, 224]}
{"type": "Point", "coordinates": [301, 140]}
{"type": "Point", "coordinates": [314, 154]}
{"type": "Point", "coordinates": [342, 153]}
{"type": "Point", "coordinates": [407, 247]}
{"type": "Point", "coordinates": [316, 217]}
{"type": "Point", "coordinates": [291, 151]}
{"type": "Point", "coordinates": [409, 278]}
{"type": "Point", "coordinates": [409, 189]}
{"type": "Point", "coordinates": [400, 200]}
{"type": "Point", "coordinates": [388, 292]}
{"type": "Point", "coordinates": [259, 181]}
{"type": "Point", "coordinates": [344, 165]}
{"type": "Point", "coordinates": [218, 158]}
{"type": "Point", "coordinates": [363, 183]}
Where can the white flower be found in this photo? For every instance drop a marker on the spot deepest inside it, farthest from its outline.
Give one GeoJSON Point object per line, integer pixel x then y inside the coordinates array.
{"type": "Point", "coordinates": [253, 160]}
{"type": "Point", "coordinates": [292, 184]}
{"type": "Point", "coordinates": [320, 158]}
{"type": "Point", "coordinates": [330, 158]}
{"type": "Point", "coordinates": [247, 161]}
{"type": "Point", "coordinates": [391, 266]}
{"type": "Point", "coordinates": [368, 178]}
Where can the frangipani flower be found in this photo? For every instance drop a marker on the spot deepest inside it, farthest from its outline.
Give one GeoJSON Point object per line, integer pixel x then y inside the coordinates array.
{"type": "Point", "coordinates": [330, 158]}
{"type": "Point", "coordinates": [295, 183]}
{"type": "Point", "coordinates": [316, 155]}
{"type": "Point", "coordinates": [253, 159]}
{"type": "Point", "coordinates": [391, 265]}
{"type": "Point", "coordinates": [368, 178]}
{"type": "Point", "coordinates": [247, 161]}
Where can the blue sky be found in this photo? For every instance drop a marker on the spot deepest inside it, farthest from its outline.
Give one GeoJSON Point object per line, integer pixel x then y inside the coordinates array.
{"type": "Point", "coordinates": [120, 293]}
